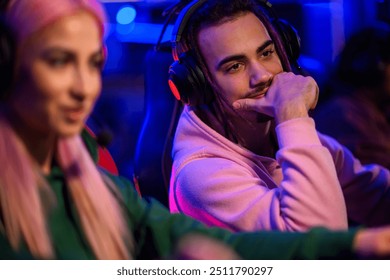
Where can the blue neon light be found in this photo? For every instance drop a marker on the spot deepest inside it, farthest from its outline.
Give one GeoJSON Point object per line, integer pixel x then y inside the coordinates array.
{"type": "Point", "coordinates": [126, 15]}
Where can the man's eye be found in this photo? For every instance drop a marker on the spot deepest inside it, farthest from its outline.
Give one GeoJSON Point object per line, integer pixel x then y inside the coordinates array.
{"type": "Point", "coordinates": [267, 53]}
{"type": "Point", "coordinates": [234, 68]}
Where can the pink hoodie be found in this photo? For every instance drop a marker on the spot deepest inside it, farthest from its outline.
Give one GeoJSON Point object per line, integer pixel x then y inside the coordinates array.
{"type": "Point", "coordinates": [223, 184]}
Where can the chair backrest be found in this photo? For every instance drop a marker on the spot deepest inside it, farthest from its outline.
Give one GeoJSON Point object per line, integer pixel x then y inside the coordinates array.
{"type": "Point", "coordinates": [152, 161]}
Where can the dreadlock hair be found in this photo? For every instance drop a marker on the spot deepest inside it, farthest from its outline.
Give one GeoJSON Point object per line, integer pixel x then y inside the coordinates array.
{"type": "Point", "coordinates": [216, 12]}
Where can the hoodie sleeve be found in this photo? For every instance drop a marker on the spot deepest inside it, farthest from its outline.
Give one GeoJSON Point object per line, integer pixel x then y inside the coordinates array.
{"type": "Point", "coordinates": [366, 188]}
{"type": "Point", "coordinates": [226, 192]}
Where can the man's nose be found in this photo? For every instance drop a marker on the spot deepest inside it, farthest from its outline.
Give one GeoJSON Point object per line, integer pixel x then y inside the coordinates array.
{"type": "Point", "coordinates": [259, 74]}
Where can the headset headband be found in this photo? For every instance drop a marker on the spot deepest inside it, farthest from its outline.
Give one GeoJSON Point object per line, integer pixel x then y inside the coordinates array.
{"type": "Point", "coordinates": [186, 78]}
{"type": "Point", "coordinates": [181, 23]}
{"type": "Point", "coordinates": [183, 19]}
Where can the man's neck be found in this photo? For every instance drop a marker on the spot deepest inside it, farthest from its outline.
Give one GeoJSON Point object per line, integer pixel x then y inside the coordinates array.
{"type": "Point", "coordinates": [257, 136]}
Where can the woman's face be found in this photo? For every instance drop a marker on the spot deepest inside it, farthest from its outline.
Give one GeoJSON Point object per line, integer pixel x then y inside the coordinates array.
{"type": "Point", "coordinates": [59, 76]}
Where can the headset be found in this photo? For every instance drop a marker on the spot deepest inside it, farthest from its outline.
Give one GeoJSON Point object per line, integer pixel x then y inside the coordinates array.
{"type": "Point", "coordinates": [186, 79]}
{"type": "Point", "coordinates": [7, 54]}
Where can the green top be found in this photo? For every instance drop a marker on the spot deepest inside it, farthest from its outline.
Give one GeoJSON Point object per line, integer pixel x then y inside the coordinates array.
{"type": "Point", "coordinates": [156, 230]}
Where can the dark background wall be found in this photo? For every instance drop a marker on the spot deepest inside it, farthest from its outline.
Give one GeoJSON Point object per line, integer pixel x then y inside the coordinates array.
{"type": "Point", "coordinates": [134, 28]}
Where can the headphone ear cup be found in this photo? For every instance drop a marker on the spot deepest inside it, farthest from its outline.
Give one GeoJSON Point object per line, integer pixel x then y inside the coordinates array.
{"type": "Point", "coordinates": [178, 81]}
{"type": "Point", "coordinates": [290, 38]}
{"type": "Point", "coordinates": [7, 57]}
{"type": "Point", "coordinates": [188, 83]}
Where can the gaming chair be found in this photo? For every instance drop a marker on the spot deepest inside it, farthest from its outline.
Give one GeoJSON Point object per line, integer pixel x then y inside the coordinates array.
{"type": "Point", "coordinates": [152, 161]}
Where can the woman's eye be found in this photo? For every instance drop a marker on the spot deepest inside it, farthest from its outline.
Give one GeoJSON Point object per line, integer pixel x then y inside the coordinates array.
{"type": "Point", "coordinates": [97, 63]}
{"type": "Point", "coordinates": [57, 62]}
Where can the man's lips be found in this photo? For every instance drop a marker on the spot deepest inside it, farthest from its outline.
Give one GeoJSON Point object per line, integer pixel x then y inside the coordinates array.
{"type": "Point", "coordinates": [260, 91]}
{"type": "Point", "coordinates": [258, 94]}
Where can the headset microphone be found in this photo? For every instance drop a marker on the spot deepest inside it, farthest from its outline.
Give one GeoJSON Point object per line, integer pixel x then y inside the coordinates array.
{"type": "Point", "coordinates": [104, 137]}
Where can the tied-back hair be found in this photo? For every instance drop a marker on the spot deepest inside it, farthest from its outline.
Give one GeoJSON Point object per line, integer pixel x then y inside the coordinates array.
{"type": "Point", "coordinates": [100, 214]}
{"type": "Point", "coordinates": [24, 196]}
{"type": "Point", "coordinates": [21, 185]}
{"type": "Point", "coordinates": [215, 12]}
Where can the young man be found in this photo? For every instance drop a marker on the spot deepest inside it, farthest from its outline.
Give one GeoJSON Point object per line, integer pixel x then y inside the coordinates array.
{"type": "Point", "coordinates": [249, 156]}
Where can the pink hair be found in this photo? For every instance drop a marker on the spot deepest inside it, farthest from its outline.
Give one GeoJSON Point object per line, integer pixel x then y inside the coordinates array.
{"type": "Point", "coordinates": [20, 202]}
{"type": "Point", "coordinates": [99, 211]}
{"type": "Point", "coordinates": [21, 185]}
{"type": "Point", "coordinates": [26, 17]}
{"type": "Point", "coordinates": [25, 198]}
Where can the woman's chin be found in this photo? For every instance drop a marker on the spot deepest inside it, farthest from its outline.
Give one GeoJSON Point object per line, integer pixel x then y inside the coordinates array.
{"type": "Point", "coordinates": [70, 131]}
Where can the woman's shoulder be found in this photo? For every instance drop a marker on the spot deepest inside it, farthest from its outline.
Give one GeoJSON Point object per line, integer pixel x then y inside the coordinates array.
{"type": "Point", "coordinates": [124, 185]}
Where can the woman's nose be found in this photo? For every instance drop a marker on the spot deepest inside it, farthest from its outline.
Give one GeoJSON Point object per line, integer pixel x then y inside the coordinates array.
{"type": "Point", "coordinates": [84, 82]}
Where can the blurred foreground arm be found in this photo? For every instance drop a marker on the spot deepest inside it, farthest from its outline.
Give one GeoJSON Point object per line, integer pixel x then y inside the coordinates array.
{"type": "Point", "coordinates": [158, 232]}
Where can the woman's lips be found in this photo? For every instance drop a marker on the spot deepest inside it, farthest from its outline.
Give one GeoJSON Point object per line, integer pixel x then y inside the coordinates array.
{"type": "Point", "coordinates": [74, 114]}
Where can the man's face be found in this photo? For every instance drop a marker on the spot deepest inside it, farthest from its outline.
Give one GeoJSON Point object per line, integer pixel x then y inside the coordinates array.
{"type": "Point", "coordinates": [60, 76]}
{"type": "Point", "coordinates": [240, 56]}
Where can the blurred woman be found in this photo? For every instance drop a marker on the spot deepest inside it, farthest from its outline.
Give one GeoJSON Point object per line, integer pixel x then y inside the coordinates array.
{"type": "Point", "coordinates": [57, 78]}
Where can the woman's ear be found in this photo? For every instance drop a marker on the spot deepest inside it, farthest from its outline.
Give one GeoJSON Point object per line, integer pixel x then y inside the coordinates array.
{"type": "Point", "coordinates": [104, 54]}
